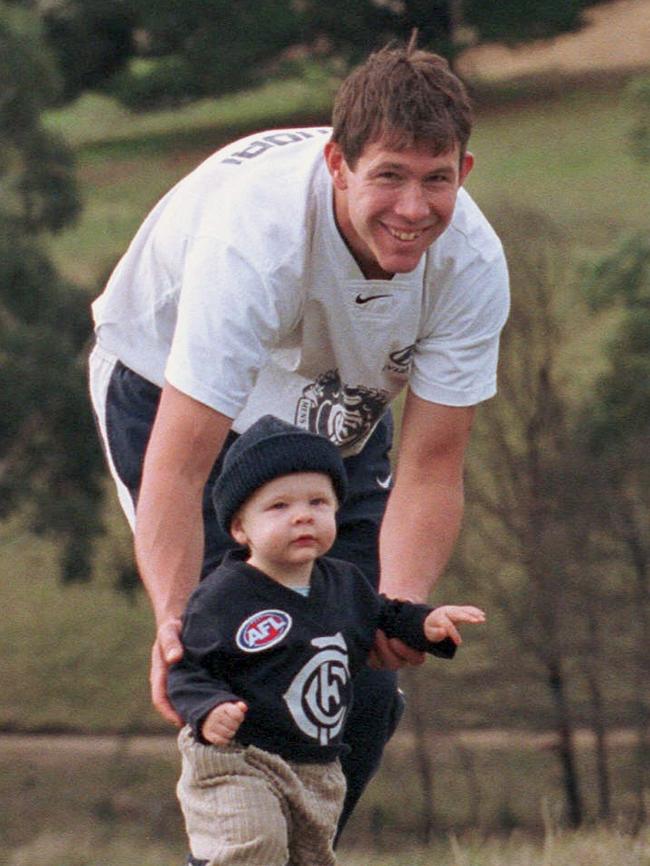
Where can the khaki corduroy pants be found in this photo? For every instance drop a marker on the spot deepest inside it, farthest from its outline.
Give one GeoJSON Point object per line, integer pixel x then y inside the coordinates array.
{"type": "Point", "coordinates": [246, 807]}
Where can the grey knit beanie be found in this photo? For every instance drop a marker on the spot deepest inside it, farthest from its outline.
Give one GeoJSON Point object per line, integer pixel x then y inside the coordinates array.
{"type": "Point", "coordinates": [268, 449]}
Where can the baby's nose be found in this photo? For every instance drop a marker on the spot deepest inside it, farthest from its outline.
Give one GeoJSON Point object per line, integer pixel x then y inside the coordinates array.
{"type": "Point", "coordinates": [303, 514]}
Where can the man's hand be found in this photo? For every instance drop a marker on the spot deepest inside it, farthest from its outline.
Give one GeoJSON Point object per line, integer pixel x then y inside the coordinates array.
{"type": "Point", "coordinates": [166, 650]}
{"type": "Point", "coordinates": [391, 654]}
{"type": "Point", "coordinates": [222, 723]}
{"type": "Point", "coordinates": [441, 622]}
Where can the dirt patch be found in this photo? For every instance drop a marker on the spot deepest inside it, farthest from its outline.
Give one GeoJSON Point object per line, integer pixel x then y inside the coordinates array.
{"type": "Point", "coordinates": [616, 37]}
{"type": "Point", "coordinates": [54, 748]}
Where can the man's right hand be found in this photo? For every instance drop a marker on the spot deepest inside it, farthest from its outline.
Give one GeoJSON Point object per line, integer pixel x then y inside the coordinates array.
{"type": "Point", "coordinates": [166, 650]}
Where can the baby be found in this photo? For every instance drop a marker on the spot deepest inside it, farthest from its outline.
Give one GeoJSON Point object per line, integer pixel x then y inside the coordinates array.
{"type": "Point", "coordinates": [272, 641]}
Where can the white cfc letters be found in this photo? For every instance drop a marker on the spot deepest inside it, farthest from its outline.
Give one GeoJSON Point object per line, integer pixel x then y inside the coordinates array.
{"type": "Point", "coordinates": [318, 697]}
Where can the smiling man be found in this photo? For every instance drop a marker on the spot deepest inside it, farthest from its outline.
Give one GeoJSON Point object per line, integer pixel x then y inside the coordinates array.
{"type": "Point", "coordinates": [312, 274]}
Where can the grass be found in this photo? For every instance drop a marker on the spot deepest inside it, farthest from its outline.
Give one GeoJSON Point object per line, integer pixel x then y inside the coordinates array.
{"type": "Point", "coordinates": [601, 847]}
{"type": "Point", "coordinates": [74, 656]}
{"type": "Point", "coordinates": [567, 157]}
{"type": "Point", "coordinates": [110, 802]}
{"type": "Point", "coordinates": [587, 848]}
{"type": "Point", "coordinates": [95, 122]}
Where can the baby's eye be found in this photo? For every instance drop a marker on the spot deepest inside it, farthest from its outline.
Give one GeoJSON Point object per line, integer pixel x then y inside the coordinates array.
{"type": "Point", "coordinates": [278, 506]}
{"type": "Point", "coordinates": [318, 500]}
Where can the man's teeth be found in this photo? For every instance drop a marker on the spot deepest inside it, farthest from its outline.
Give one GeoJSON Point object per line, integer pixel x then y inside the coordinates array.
{"type": "Point", "coordinates": [404, 236]}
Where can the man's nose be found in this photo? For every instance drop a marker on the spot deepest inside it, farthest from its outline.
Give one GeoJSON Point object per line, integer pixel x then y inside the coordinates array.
{"type": "Point", "coordinates": [412, 203]}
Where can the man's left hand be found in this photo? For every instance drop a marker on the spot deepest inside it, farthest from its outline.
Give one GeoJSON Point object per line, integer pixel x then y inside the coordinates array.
{"type": "Point", "coordinates": [392, 654]}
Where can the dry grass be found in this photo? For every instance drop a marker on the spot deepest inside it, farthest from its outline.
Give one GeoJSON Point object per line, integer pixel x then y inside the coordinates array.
{"type": "Point", "coordinates": [594, 847]}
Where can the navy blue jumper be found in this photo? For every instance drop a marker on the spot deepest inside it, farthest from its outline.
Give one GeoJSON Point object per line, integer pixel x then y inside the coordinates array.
{"type": "Point", "coordinates": [291, 658]}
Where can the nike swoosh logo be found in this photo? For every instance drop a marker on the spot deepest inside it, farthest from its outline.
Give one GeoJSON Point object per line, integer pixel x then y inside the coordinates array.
{"type": "Point", "coordinates": [385, 482]}
{"type": "Point", "coordinates": [360, 299]}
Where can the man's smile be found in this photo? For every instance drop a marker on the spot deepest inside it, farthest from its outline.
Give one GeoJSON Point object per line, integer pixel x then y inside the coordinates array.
{"type": "Point", "coordinates": [402, 234]}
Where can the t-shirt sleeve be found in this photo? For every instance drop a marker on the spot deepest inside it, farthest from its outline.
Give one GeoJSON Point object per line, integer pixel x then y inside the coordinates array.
{"type": "Point", "coordinates": [405, 620]}
{"type": "Point", "coordinates": [455, 357]}
{"type": "Point", "coordinates": [230, 315]}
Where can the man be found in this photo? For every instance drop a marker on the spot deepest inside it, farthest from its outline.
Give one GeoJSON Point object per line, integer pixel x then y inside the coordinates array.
{"type": "Point", "coordinates": [312, 274]}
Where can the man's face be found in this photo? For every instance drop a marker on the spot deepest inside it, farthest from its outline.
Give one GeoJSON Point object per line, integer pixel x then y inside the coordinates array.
{"type": "Point", "coordinates": [394, 203]}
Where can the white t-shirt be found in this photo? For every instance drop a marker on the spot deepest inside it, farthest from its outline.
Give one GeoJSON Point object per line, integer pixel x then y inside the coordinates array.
{"type": "Point", "coordinates": [239, 290]}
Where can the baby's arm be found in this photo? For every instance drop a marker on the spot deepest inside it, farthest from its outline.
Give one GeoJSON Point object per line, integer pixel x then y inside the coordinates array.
{"type": "Point", "coordinates": [442, 621]}
{"type": "Point", "coordinates": [222, 723]}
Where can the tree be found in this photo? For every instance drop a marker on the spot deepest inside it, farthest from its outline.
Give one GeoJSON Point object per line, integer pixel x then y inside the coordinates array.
{"type": "Point", "coordinates": [558, 495]}
{"type": "Point", "coordinates": [443, 25]}
{"type": "Point", "coordinates": [617, 431]}
{"type": "Point", "coordinates": [49, 464]}
{"type": "Point", "coordinates": [91, 41]}
{"type": "Point", "coordinates": [518, 506]}
{"type": "Point", "coordinates": [518, 21]}
{"type": "Point", "coordinates": [156, 52]}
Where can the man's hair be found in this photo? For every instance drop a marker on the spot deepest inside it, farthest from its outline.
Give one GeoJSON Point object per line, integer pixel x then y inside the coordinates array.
{"type": "Point", "coordinates": [404, 97]}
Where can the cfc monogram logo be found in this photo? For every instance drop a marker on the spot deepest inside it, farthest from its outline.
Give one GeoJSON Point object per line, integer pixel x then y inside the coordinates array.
{"type": "Point", "coordinates": [319, 695]}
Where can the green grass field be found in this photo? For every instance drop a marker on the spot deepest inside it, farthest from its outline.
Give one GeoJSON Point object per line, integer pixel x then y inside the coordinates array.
{"type": "Point", "coordinates": [567, 157]}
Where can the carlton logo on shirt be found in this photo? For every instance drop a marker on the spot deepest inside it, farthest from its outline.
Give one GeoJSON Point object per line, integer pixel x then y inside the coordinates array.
{"type": "Point", "coordinates": [263, 630]}
{"type": "Point", "coordinates": [319, 695]}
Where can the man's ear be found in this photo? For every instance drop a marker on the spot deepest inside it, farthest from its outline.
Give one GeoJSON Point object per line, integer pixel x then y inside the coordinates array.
{"type": "Point", "coordinates": [237, 531]}
{"type": "Point", "coordinates": [466, 165]}
{"type": "Point", "coordinates": [336, 164]}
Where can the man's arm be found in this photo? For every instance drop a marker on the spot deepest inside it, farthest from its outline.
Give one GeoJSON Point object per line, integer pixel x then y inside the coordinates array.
{"type": "Point", "coordinates": [425, 507]}
{"type": "Point", "coordinates": [185, 440]}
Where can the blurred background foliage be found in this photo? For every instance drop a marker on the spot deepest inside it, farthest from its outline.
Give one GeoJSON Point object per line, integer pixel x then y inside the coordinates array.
{"type": "Point", "coordinates": [48, 466]}
{"type": "Point", "coordinates": [160, 52]}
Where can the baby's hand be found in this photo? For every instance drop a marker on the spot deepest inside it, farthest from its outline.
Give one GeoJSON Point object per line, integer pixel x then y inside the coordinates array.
{"type": "Point", "coordinates": [442, 621]}
{"type": "Point", "coordinates": [222, 723]}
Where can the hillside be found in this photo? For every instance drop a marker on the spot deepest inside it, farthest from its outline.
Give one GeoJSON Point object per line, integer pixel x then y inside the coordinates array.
{"type": "Point", "coordinates": [616, 38]}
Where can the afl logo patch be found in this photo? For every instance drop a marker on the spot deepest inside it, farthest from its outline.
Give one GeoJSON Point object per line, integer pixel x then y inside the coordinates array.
{"type": "Point", "coordinates": [263, 630]}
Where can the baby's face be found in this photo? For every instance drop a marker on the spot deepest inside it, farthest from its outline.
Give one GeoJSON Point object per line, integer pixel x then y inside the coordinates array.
{"type": "Point", "coordinates": [288, 521]}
